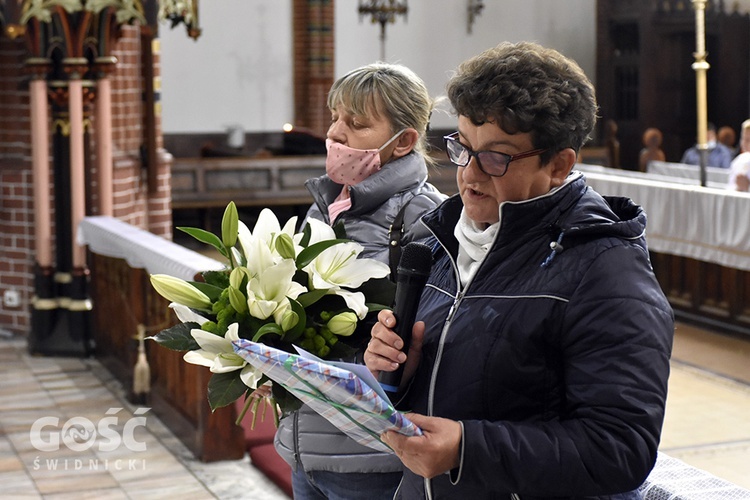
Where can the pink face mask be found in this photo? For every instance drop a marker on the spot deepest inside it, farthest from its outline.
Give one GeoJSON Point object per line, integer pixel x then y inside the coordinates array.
{"type": "Point", "coordinates": [349, 166]}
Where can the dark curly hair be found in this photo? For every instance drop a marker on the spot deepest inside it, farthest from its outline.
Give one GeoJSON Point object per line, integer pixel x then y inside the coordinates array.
{"type": "Point", "coordinates": [524, 87]}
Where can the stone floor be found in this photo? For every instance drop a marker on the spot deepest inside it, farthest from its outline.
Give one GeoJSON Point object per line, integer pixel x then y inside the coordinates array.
{"type": "Point", "coordinates": [119, 460]}
{"type": "Point", "coordinates": [133, 455]}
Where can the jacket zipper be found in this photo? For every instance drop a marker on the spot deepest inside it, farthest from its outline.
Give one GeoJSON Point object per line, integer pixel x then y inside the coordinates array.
{"type": "Point", "coordinates": [295, 435]}
{"type": "Point", "coordinates": [446, 326]}
{"type": "Point", "coordinates": [443, 333]}
{"type": "Point", "coordinates": [433, 377]}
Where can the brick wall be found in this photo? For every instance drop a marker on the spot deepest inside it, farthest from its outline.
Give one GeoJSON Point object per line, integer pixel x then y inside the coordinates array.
{"type": "Point", "coordinates": [134, 200]}
{"type": "Point", "coordinates": [313, 62]}
{"type": "Point", "coordinates": [16, 201]}
{"type": "Point", "coordinates": [141, 197]}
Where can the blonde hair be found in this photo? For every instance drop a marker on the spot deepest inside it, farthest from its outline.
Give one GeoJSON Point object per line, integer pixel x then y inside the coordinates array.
{"type": "Point", "coordinates": [392, 91]}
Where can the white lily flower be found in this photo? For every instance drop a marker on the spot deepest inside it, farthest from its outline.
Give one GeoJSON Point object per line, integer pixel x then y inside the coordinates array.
{"type": "Point", "coordinates": [187, 315]}
{"type": "Point", "coordinates": [267, 227]}
{"type": "Point", "coordinates": [259, 246]}
{"type": "Point", "coordinates": [259, 257]}
{"type": "Point", "coordinates": [244, 236]}
{"type": "Point", "coordinates": [319, 231]}
{"type": "Point", "coordinates": [290, 226]}
{"type": "Point", "coordinates": [217, 353]}
{"type": "Point", "coordinates": [338, 267]}
{"type": "Point", "coordinates": [354, 301]}
{"type": "Point", "coordinates": [267, 292]}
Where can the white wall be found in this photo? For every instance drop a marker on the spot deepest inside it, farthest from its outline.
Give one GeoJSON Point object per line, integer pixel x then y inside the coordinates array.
{"type": "Point", "coordinates": [240, 69]}
{"type": "Point", "coordinates": [434, 38]}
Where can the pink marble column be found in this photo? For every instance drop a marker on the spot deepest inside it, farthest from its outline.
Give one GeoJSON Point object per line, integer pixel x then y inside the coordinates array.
{"type": "Point", "coordinates": [41, 169]}
{"type": "Point", "coordinates": [77, 178]}
{"type": "Point", "coordinates": [104, 143]}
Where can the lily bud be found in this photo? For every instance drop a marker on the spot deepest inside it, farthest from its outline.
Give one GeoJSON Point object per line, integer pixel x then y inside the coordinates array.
{"type": "Point", "coordinates": [180, 291]}
{"type": "Point", "coordinates": [343, 324]}
{"type": "Point", "coordinates": [236, 276]}
{"type": "Point", "coordinates": [230, 225]}
{"type": "Point", "coordinates": [289, 320]}
{"type": "Point", "coordinates": [285, 246]}
{"type": "Point", "coordinates": [237, 300]}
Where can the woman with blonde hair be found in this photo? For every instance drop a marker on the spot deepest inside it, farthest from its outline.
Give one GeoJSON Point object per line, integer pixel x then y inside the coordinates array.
{"type": "Point", "coordinates": [376, 186]}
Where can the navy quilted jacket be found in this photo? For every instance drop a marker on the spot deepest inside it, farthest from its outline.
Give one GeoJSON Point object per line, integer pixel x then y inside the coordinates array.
{"type": "Point", "coordinates": [556, 362]}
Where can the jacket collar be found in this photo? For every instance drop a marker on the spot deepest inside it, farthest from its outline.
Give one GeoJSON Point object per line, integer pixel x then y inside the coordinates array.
{"type": "Point", "coordinates": [574, 209]}
{"type": "Point", "coordinates": [398, 175]}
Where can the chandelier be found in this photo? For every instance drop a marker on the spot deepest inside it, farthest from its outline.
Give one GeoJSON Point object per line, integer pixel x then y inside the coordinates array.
{"type": "Point", "coordinates": [383, 12]}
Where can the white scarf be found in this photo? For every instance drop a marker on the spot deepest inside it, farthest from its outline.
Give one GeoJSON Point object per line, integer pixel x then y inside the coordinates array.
{"type": "Point", "coordinates": [474, 242]}
{"type": "Point", "coordinates": [473, 245]}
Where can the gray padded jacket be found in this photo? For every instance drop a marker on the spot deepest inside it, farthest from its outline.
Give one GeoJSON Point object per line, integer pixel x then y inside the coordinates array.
{"type": "Point", "coordinates": [304, 437]}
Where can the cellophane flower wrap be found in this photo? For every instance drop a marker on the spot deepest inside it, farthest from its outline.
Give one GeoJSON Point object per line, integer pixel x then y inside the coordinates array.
{"type": "Point", "coordinates": [281, 288]}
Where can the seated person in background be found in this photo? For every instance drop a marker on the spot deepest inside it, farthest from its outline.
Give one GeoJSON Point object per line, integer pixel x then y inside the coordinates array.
{"type": "Point", "coordinates": [727, 137]}
{"type": "Point", "coordinates": [739, 177]}
{"type": "Point", "coordinates": [652, 151]}
{"type": "Point", "coordinates": [718, 154]}
{"type": "Point", "coordinates": [612, 144]}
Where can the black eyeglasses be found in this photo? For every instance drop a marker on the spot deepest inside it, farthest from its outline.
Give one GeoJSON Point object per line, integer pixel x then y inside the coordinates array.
{"type": "Point", "coordinates": [491, 163]}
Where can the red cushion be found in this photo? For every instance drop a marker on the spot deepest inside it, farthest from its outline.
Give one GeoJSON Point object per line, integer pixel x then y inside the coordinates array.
{"type": "Point", "coordinates": [265, 458]}
{"type": "Point", "coordinates": [259, 444]}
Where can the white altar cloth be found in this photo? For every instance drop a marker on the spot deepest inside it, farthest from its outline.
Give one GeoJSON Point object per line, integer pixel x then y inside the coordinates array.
{"type": "Point", "coordinates": [691, 172]}
{"type": "Point", "coordinates": [703, 223]}
{"type": "Point", "coordinates": [141, 249]}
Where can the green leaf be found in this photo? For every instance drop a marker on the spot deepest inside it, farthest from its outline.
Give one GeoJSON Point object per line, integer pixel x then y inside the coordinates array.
{"type": "Point", "coordinates": [371, 307]}
{"type": "Point", "coordinates": [308, 254]}
{"type": "Point", "coordinates": [205, 237]}
{"type": "Point", "coordinates": [285, 399]}
{"type": "Point", "coordinates": [295, 332]}
{"type": "Point", "coordinates": [379, 291]}
{"type": "Point", "coordinates": [229, 225]}
{"type": "Point", "coordinates": [306, 234]}
{"type": "Point", "coordinates": [177, 338]}
{"type": "Point", "coordinates": [219, 279]}
{"type": "Point", "coordinates": [343, 351]}
{"type": "Point", "coordinates": [266, 329]}
{"type": "Point", "coordinates": [224, 389]}
{"type": "Point", "coordinates": [340, 230]}
{"type": "Point", "coordinates": [211, 291]}
{"type": "Point", "coordinates": [309, 298]}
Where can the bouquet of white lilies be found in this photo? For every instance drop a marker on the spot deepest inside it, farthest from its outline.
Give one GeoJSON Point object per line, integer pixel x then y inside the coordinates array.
{"type": "Point", "coordinates": [280, 288]}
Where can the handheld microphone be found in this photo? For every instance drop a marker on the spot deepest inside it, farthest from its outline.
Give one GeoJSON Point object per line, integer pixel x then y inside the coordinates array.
{"type": "Point", "coordinates": [413, 271]}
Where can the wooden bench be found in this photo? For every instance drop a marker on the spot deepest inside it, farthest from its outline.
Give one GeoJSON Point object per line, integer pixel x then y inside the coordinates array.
{"type": "Point", "coordinates": [212, 182]}
{"type": "Point", "coordinates": [203, 183]}
{"type": "Point", "coordinates": [122, 257]}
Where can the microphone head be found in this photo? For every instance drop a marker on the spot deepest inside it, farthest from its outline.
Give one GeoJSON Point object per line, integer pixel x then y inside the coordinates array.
{"type": "Point", "coordinates": [416, 258]}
